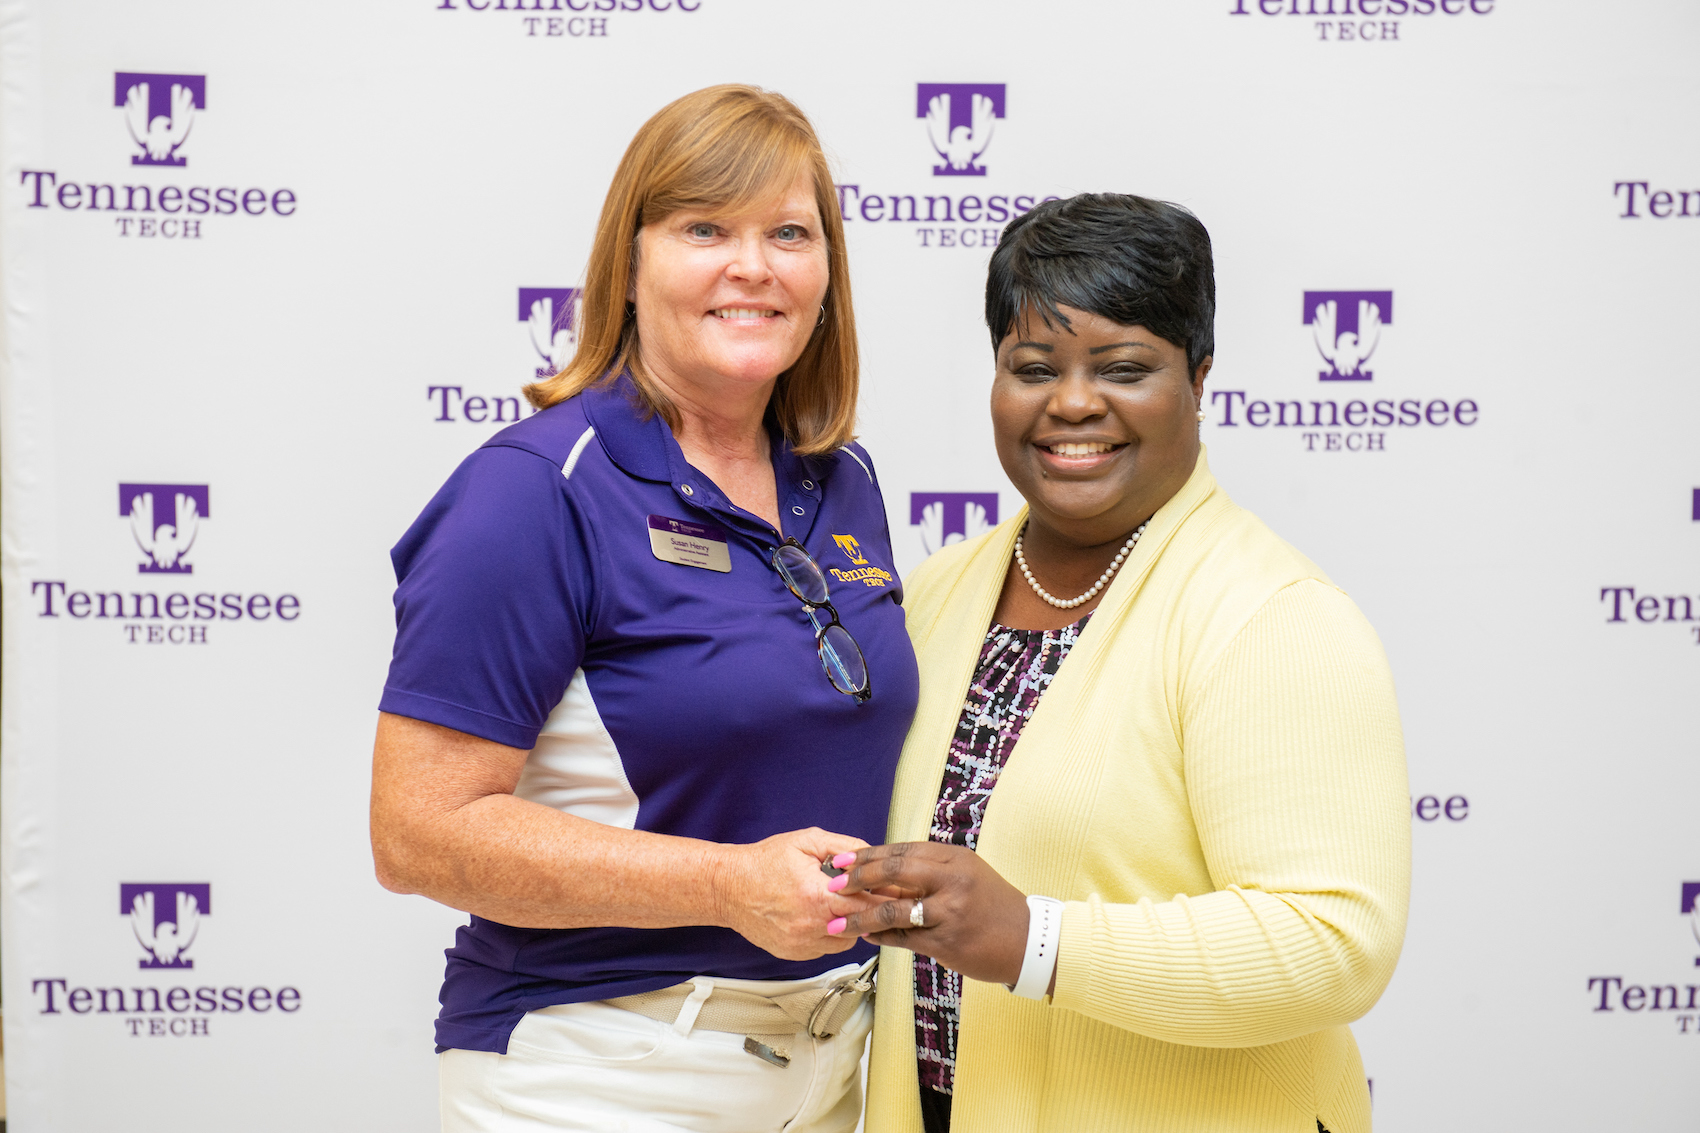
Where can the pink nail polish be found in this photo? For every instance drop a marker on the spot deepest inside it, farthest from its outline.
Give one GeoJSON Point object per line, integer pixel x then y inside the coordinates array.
{"type": "Point", "coordinates": [838, 883]}
{"type": "Point", "coordinates": [844, 860]}
{"type": "Point", "coordinates": [836, 925]}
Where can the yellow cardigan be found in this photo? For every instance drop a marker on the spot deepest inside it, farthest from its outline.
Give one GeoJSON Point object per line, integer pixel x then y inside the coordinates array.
{"type": "Point", "coordinates": [1215, 783]}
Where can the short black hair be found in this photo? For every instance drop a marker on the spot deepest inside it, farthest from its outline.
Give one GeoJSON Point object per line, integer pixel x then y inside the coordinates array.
{"type": "Point", "coordinates": [1132, 260]}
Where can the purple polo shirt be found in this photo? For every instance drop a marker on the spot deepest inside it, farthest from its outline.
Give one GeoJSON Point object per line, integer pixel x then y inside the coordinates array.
{"type": "Point", "coordinates": [534, 608]}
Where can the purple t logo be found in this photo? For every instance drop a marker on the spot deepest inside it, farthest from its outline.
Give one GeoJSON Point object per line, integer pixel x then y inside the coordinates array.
{"type": "Point", "coordinates": [950, 517]}
{"type": "Point", "coordinates": [1347, 325]}
{"type": "Point", "coordinates": [165, 916]}
{"type": "Point", "coordinates": [1691, 906]}
{"type": "Point", "coordinates": [960, 117]}
{"type": "Point", "coordinates": [554, 316]}
{"type": "Point", "coordinates": [164, 519]}
{"type": "Point", "coordinates": [159, 109]}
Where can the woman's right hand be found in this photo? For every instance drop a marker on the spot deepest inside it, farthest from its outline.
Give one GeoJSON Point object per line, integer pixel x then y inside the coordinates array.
{"type": "Point", "coordinates": [773, 893]}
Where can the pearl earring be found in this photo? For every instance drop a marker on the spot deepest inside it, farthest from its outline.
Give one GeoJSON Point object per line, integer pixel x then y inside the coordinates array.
{"type": "Point", "coordinates": [1201, 415]}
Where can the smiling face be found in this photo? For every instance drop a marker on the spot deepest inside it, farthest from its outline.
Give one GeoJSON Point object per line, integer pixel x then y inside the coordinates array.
{"type": "Point", "coordinates": [727, 298]}
{"type": "Point", "coordinates": [1096, 424]}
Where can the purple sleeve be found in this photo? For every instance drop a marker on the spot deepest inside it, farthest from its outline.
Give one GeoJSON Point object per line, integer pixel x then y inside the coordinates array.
{"type": "Point", "coordinates": [492, 600]}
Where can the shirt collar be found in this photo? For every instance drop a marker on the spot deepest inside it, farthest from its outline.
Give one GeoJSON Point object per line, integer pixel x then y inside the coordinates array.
{"type": "Point", "coordinates": [643, 446]}
{"type": "Point", "coordinates": [633, 438]}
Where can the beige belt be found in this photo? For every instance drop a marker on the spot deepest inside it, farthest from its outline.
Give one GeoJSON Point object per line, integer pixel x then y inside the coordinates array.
{"type": "Point", "coordinates": [819, 1011]}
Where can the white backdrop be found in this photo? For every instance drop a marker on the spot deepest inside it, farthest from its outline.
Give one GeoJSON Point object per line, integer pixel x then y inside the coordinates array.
{"type": "Point", "coordinates": [1515, 185]}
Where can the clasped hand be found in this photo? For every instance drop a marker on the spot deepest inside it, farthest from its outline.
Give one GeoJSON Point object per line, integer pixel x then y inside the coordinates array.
{"type": "Point", "coordinates": [773, 893]}
{"type": "Point", "coordinates": [974, 922]}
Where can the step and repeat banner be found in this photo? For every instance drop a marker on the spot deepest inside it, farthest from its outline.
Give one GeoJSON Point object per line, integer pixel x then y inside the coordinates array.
{"type": "Point", "coordinates": [269, 271]}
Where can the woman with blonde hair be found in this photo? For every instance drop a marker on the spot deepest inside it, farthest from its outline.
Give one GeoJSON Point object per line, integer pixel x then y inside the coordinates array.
{"type": "Point", "coordinates": [1150, 824]}
{"type": "Point", "coordinates": [651, 670]}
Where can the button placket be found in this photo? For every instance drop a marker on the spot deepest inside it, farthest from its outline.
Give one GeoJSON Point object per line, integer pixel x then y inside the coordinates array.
{"type": "Point", "coordinates": [736, 520]}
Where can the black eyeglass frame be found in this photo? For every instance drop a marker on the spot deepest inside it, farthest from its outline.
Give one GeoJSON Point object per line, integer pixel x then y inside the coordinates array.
{"type": "Point", "coordinates": [866, 692]}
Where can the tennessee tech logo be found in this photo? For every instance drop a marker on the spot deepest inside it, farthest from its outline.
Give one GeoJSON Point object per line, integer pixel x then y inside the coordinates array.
{"type": "Point", "coordinates": [1347, 326]}
{"type": "Point", "coordinates": [1691, 909]}
{"type": "Point", "coordinates": [960, 118]}
{"type": "Point", "coordinates": [165, 916]}
{"type": "Point", "coordinates": [852, 550]}
{"type": "Point", "coordinates": [164, 519]}
{"type": "Point", "coordinates": [553, 315]}
{"type": "Point", "coordinates": [159, 110]}
{"type": "Point", "coordinates": [950, 517]}
{"type": "Point", "coordinates": [868, 574]}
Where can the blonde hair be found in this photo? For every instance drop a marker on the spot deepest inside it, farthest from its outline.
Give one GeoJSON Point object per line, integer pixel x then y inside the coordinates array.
{"type": "Point", "coordinates": [722, 146]}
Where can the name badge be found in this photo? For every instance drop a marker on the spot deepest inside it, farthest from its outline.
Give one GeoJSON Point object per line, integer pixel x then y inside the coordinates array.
{"type": "Point", "coordinates": [689, 544]}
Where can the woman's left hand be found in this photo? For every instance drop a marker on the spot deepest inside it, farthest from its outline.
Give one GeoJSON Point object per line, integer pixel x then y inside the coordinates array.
{"type": "Point", "coordinates": [974, 922]}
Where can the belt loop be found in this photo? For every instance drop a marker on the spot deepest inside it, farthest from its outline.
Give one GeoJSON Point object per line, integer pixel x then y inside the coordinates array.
{"type": "Point", "coordinates": [692, 1006]}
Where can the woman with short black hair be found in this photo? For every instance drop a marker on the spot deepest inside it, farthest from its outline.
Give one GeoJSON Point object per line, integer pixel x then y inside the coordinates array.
{"type": "Point", "coordinates": [1194, 867]}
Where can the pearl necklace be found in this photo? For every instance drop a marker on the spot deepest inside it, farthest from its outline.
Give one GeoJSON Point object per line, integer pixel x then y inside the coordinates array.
{"type": "Point", "coordinates": [1103, 579]}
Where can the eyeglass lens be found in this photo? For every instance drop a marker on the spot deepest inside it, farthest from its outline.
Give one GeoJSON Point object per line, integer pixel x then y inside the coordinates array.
{"type": "Point", "coordinates": [842, 660]}
{"type": "Point", "coordinates": [801, 574]}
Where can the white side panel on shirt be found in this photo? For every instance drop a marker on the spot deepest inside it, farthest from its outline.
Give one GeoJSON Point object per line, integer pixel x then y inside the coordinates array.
{"type": "Point", "coordinates": [575, 766]}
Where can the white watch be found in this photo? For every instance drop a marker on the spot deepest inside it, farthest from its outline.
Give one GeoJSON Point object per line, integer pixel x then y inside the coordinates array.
{"type": "Point", "coordinates": [1044, 930]}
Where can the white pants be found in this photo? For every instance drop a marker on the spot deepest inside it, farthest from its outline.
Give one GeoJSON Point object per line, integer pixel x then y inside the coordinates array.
{"type": "Point", "coordinates": [591, 1066]}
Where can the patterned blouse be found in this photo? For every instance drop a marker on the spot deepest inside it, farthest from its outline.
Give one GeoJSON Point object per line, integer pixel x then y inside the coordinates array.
{"type": "Point", "coordinates": [1016, 666]}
